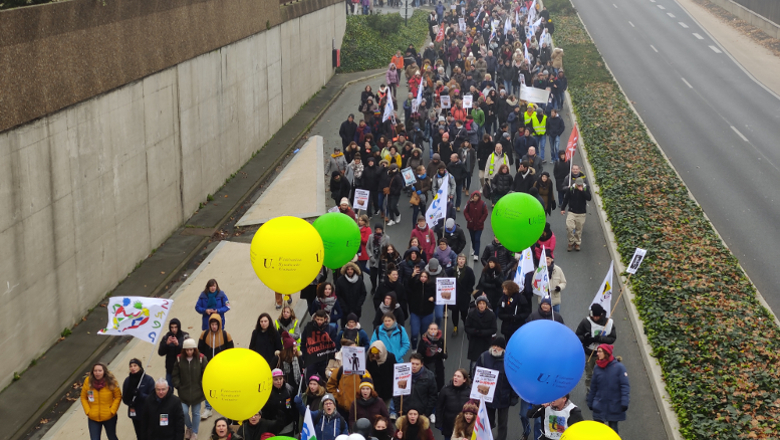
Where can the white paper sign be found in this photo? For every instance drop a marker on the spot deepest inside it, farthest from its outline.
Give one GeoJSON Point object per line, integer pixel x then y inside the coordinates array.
{"type": "Point", "coordinates": [354, 360]}
{"type": "Point", "coordinates": [636, 260]}
{"type": "Point", "coordinates": [468, 101]}
{"type": "Point", "coordinates": [453, 7]}
{"type": "Point", "coordinates": [408, 175]}
{"type": "Point", "coordinates": [445, 101]}
{"type": "Point", "coordinates": [532, 94]}
{"type": "Point", "coordinates": [484, 386]}
{"type": "Point", "coordinates": [402, 379]}
{"type": "Point", "coordinates": [462, 24]}
{"type": "Point", "coordinates": [334, 209]}
{"type": "Point", "coordinates": [445, 291]}
{"type": "Point", "coordinates": [361, 199]}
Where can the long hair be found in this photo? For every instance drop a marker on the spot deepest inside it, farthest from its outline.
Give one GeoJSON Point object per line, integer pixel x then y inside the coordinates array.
{"type": "Point", "coordinates": [214, 429]}
{"type": "Point", "coordinates": [271, 326]}
{"type": "Point", "coordinates": [487, 268]}
{"type": "Point", "coordinates": [321, 289]}
{"type": "Point", "coordinates": [281, 314]}
{"type": "Point", "coordinates": [465, 374]}
{"type": "Point", "coordinates": [209, 283]}
{"type": "Point", "coordinates": [109, 378]}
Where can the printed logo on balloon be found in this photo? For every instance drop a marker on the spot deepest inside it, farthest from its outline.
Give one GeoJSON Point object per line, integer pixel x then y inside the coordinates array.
{"type": "Point", "coordinates": [340, 238]}
{"type": "Point", "coordinates": [518, 221]}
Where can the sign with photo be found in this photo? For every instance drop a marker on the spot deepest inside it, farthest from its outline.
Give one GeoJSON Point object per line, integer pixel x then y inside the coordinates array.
{"type": "Point", "coordinates": [468, 101]}
{"type": "Point", "coordinates": [361, 199]}
{"type": "Point", "coordinates": [353, 359]}
{"type": "Point", "coordinates": [484, 385]}
{"type": "Point", "coordinates": [445, 291]}
{"type": "Point", "coordinates": [636, 260]}
{"type": "Point", "coordinates": [408, 175]}
{"type": "Point", "coordinates": [402, 379]}
{"type": "Point", "coordinates": [445, 101]}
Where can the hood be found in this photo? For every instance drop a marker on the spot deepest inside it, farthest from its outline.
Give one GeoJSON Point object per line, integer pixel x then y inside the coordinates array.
{"type": "Point", "coordinates": [475, 193]}
{"type": "Point", "coordinates": [391, 66]}
{"type": "Point", "coordinates": [417, 150]}
{"type": "Point", "coordinates": [353, 266]}
{"type": "Point", "coordinates": [177, 322]}
{"type": "Point", "coordinates": [380, 346]}
{"type": "Point", "coordinates": [215, 317]}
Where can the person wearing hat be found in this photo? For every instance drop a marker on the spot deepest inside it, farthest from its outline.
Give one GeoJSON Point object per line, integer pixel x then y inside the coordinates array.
{"type": "Point", "coordinates": [312, 397]}
{"type": "Point", "coordinates": [171, 346]}
{"type": "Point", "coordinates": [480, 328]}
{"type": "Point", "coordinates": [328, 423]}
{"type": "Point", "coordinates": [394, 194]}
{"type": "Point", "coordinates": [346, 209]}
{"type": "Point", "coordinates": [438, 182]}
{"type": "Point", "coordinates": [610, 390]}
{"type": "Point", "coordinates": [434, 270]}
{"type": "Point", "coordinates": [464, 422]}
{"type": "Point", "coordinates": [137, 387]}
{"type": "Point", "coordinates": [342, 384]}
{"type": "Point", "coordinates": [413, 426]}
{"type": "Point", "coordinates": [576, 198]}
{"type": "Point", "coordinates": [289, 361]}
{"type": "Point", "coordinates": [545, 311]}
{"type": "Point", "coordinates": [504, 397]}
{"type": "Point", "coordinates": [594, 330]}
{"type": "Point", "coordinates": [380, 364]}
{"type": "Point", "coordinates": [188, 380]}
{"type": "Point", "coordinates": [353, 332]}
{"type": "Point", "coordinates": [279, 406]}
{"type": "Point", "coordinates": [367, 404]}
{"type": "Point", "coordinates": [339, 187]}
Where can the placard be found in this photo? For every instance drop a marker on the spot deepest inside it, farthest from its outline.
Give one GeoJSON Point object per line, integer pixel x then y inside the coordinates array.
{"type": "Point", "coordinates": [361, 199]}
{"type": "Point", "coordinates": [334, 209]}
{"type": "Point", "coordinates": [445, 291]}
{"type": "Point", "coordinates": [445, 101]}
{"type": "Point", "coordinates": [468, 101]}
{"type": "Point", "coordinates": [353, 359]}
{"type": "Point", "coordinates": [408, 175]}
{"type": "Point", "coordinates": [462, 24]}
{"type": "Point", "coordinates": [402, 379]}
{"type": "Point", "coordinates": [636, 260]}
{"type": "Point", "coordinates": [532, 94]}
{"type": "Point", "coordinates": [453, 7]}
{"type": "Point", "coordinates": [484, 386]}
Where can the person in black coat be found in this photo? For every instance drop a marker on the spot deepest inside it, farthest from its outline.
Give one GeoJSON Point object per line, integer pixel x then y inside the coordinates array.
{"type": "Point", "coordinates": [424, 391]}
{"type": "Point", "coordinates": [451, 400]}
{"type": "Point", "coordinates": [350, 291]}
{"type": "Point", "coordinates": [370, 182]}
{"type": "Point", "coordinates": [495, 249]}
{"type": "Point", "coordinates": [561, 174]}
{"type": "Point", "coordinates": [501, 184]}
{"type": "Point", "coordinates": [389, 304]}
{"type": "Point", "coordinates": [280, 407]}
{"type": "Point", "coordinates": [522, 143]}
{"type": "Point", "coordinates": [170, 346]}
{"type": "Point", "coordinates": [515, 306]}
{"type": "Point", "coordinates": [490, 282]}
{"type": "Point", "coordinates": [163, 417]}
{"type": "Point", "coordinates": [480, 328]}
{"type": "Point", "coordinates": [347, 131]}
{"type": "Point", "coordinates": [545, 311]}
{"type": "Point", "coordinates": [525, 178]}
{"type": "Point", "coordinates": [504, 397]}
{"type": "Point", "coordinates": [138, 386]}
{"type": "Point", "coordinates": [266, 340]}
{"type": "Point", "coordinates": [454, 234]}
{"type": "Point", "coordinates": [339, 187]}
{"type": "Point", "coordinates": [393, 283]}
{"type": "Point", "coordinates": [464, 287]}
{"type": "Point", "coordinates": [380, 364]}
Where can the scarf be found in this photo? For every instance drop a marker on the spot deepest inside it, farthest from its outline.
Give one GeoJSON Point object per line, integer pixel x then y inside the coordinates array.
{"type": "Point", "coordinates": [211, 302]}
{"type": "Point", "coordinates": [100, 384]}
{"type": "Point", "coordinates": [412, 432]}
{"type": "Point", "coordinates": [337, 155]}
{"type": "Point", "coordinates": [386, 309]}
{"type": "Point", "coordinates": [443, 256]}
{"type": "Point", "coordinates": [382, 434]}
{"type": "Point", "coordinates": [459, 273]}
{"type": "Point", "coordinates": [352, 279]}
{"type": "Point", "coordinates": [327, 302]}
{"type": "Point", "coordinates": [390, 331]}
{"type": "Point", "coordinates": [377, 241]}
{"type": "Point", "coordinates": [604, 362]}
{"type": "Point", "coordinates": [285, 322]}
{"type": "Point", "coordinates": [365, 403]}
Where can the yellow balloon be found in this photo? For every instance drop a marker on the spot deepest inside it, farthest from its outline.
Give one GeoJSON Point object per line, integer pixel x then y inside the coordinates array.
{"type": "Point", "coordinates": [287, 254]}
{"type": "Point", "coordinates": [237, 383]}
{"type": "Point", "coordinates": [589, 430]}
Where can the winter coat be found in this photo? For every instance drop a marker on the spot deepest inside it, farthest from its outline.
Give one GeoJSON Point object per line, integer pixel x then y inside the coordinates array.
{"type": "Point", "coordinates": [339, 188]}
{"type": "Point", "coordinates": [546, 193]}
{"type": "Point", "coordinates": [351, 295]}
{"type": "Point", "coordinates": [480, 328]}
{"type": "Point", "coordinates": [356, 334]}
{"type": "Point", "coordinates": [396, 340]}
{"type": "Point", "coordinates": [450, 404]}
{"type": "Point", "coordinates": [585, 334]}
{"type": "Point", "coordinates": [426, 238]}
{"type": "Point", "coordinates": [548, 244]}
{"type": "Point", "coordinates": [522, 144]}
{"type": "Point", "coordinates": [609, 392]}
{"type": "Point", "coordinates": [464, 285]}
{"type": "Point", "coordinates": [223, 305]}
{"type": "Point", "coordinates": [420, 295]}
{"type": "Point", "coordinates": [576, 200]}
{"type": "Point", "coordinates": [540, 314]}
{"type": "Point", "coordinates": [438, 181]}
{"type": "Point", "coordinates": [504, 256]}
{"type": "Point", "coordinates": [365, 234]}
{"type": "Point", "coordinates": [152, 423]}
{"type": "Point", "coordinates": [476, 212]}
{"type": "Point", "coordinates": [561, 173]}
{"type": "Point", "coordinates": [424, 393]}
{"type": "Point", "coordinates": [344, 387]}
{"type": "Point", "coordinates": [266, 343]}
{"type": "Point", "coordinates": [370, 180]}
{"type": "Point", "coordinates": [490, 281]}
{"type": "Point", "coordinates": [557, 58]}
{"type": "Point", "coordinates": [135, 397]}
{"type": "Point", "coordinates": [280, 406]}
{"type": "Point", "coordinates": [338, 162]}
{"type": "Point", "coordinates": [382, 370]}
{"type": "Point", "coordinates": [311, 327]}
{"type": "Point", "coordinates": [170, 351]}
{"type": "Point", "coordinates": [368, 409]}
{"type": "Point", "coordinates": [456, 239]}
{"type": "Point", "coordinates": [188, 379]}
{"type": "Point", "coordinates": [211, 344]}
{"type": "Point", "coordinates": [555, 126]}
{"type": "Point", "coordinates": [400, 316]}
{"type": "Point", "coordinates": [513, 312]}
{"type": "Point", "coordinates": [557, 279]}
{"type": "Point", "coordinates": [505, 395]}
{"type": "Point", "coordinates": [407, 266]}
{"type": "Point", "coordinates": [374, 251]}
{"type": "Point", "coordinates": [424, 431]}
{"type": "Point", "coordinates": [502, 184]}
{"type": "Point", "coordinates": [336, 313]}
{"type": "Point", "coordinates": [458, 170]}
{"type": "Point", "coordinates": [391, 76]}
{"type": "Point", "coordinates": [105, 402]}
{"type": "Point", "coordinates": [423, 186]}
{"type": "Point", "coordinates": [347, 132]}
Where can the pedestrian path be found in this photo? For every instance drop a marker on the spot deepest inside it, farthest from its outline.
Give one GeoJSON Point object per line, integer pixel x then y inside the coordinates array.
{"type": "Point", "coordinates": [304, 177]}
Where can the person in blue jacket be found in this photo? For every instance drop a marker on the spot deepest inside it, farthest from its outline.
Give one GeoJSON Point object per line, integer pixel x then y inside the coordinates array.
{"type": "Point", "coordinates": [212, 300]}
{"type": "Point", "coordinates": [393, 336]}
{"type": "Point", "coordinates": [328, 423]}
{"type": "Point", "coordinates": [137, 387]}
{"type": "Point", "coordinates": [609, 389]}
{"type": "Point", "coordinates": [353, 332]}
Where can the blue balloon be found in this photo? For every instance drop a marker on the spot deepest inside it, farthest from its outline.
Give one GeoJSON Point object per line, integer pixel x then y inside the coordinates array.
{"type": "Point", "coordinates": [544, 361]}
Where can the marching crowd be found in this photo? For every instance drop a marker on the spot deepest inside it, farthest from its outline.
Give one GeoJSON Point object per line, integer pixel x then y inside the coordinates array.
{"type": "Point", "coordinates": [464, 107]}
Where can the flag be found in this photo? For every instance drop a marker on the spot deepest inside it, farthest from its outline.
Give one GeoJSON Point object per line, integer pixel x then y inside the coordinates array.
{"type": "Point", "coordinates": [507, 25]}
{"type": "Point", "coordinates": [541, 283]}
{"type": "Point", "coordinates": [418, 99]}
{"type": "Point", "coordinates": [438, 208]}
{"type": "Point", "coordinates": [517, 18]}
{"type": "Point", "coordinates": [137, 316]}
{"type": "Point", "coordinates": [482, 430]}
{"type": "Point", "coordinates": [527, 55]}
{"type": "Point", "coordinates": [389, 109]}
{"type": "Point", "coordinates": [532, 12]}
{"type": "Point", "coordinates": [440, 35]}
{"type": "Point", "coordinates": [604, 295]}
{"type": "Point", "coordinates": [524, 265]}
{"type": "Point", "coordinates": [571, 146]}
{"type": "Point", "coordinates": [307, 433]}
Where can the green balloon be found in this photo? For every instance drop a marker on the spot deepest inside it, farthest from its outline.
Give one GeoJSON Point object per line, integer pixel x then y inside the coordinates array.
{"type": "Point", "coordinates": [518, 221]}
{"type": "Point", "coordinates": [340, 237]}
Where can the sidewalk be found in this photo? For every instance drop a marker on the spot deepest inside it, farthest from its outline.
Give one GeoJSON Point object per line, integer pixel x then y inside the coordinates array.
{"type": "Point", "coordinates": [30, 405]}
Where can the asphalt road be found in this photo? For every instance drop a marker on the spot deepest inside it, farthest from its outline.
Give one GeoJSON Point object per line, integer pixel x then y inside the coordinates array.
{"type": "Point", "coordinates": [714, 122]}
{"type": "Point", "coordinates": [584, 272]}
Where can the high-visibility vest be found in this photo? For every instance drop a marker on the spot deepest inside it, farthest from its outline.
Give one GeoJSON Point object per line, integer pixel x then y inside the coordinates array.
{"type": "Point", "coordinates": [527, 117]}
{"type": "Point", "coordinates": [540, 128]}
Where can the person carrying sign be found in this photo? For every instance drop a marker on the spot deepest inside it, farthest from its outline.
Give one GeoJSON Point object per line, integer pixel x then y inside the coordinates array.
{"type": "Point", "coordinates": [504, 396]}
{"type": "Point", "coordinates": [343, 385]}
{"type": "Point", "coordinates": [424, 391]}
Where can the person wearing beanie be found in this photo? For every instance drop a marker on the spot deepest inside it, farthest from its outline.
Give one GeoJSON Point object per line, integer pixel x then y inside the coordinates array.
{"type": "Point", "coordinates": [353, 332]}
{"type": "Point", "coordinates": [545, 311]}
{"type": "Point", "coordinates": [328, 423]}
{"type": "Point", "coordinates": [576, 198]}
{"type": "Point", "coordinates": [433, 165]}
{"type": "Point", "coordinates": [437, 181]}
{"type": "Point", "coordinates": [454, 234]}
{"type": "Point", "coordinates": [278, 406]}
{"type": "Point", "coordinates": [289, 360]}
{"type": "Point", "coordinates": [505, 396]}
{"type": "Point", "coordinates": [453, 398]}
{"type": "Point", "coordinates": [413, 426]}
{"type": "Point", "coordinates": [343, 386]}
{"type": "Point", "coordinates": [610, 390]}
{"type": "Point", "coordinates": [594, 330]}
{"type": "Point", "coordinates": [137, 387]}
{"type": "Point", "coordinates": [351, 291]}
{"type": "Point", "coordinates": [346, 209]}
{"type": "Point", "coordinates": [480, 328]}
{"type": "Point", "coordinates": [464, 422]}
{"type": "Point", "coordinates": [367, 405]}
{"type": "Point", "coordinates": [188, 380]}
{"type": "Point", "coordinates": [413, 262]}
{"type": "Point", "coordinates": [171, 346]}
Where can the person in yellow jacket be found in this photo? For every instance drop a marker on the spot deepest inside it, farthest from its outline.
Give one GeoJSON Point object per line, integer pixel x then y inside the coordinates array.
{"type": "Point", "coordinates": [540, 130]}
{"type": "Point", "coordinates": [100, 397]}
{"type": "Point", "coordinates": [529, 112]}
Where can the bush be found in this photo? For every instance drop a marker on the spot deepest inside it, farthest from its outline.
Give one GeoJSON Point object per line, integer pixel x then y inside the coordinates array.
{"type": "Point", "coordinates": [9, 4]}
{"type": "Point", "coordinates": [369, 43]}
{"type": "Point", "coordinates": [716, 344]}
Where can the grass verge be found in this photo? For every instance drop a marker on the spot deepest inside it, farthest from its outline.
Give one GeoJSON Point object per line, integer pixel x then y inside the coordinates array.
{"type": "Point", "coordinates": [716, 344]}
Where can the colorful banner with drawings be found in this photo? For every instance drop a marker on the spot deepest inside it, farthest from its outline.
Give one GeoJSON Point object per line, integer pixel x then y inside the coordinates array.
{"type": "Point", "coordinates": [138, 316]}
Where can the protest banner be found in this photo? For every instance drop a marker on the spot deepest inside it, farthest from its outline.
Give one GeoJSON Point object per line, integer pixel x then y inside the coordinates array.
{"type": "Point", "coordinates": [137, 316]}
{"type": "Point", "coordinates": [532, 94]}
{"type": "Point", "coordinates": [604, 295]}
{"type": "Point", "coordinates": [445, 291]}
{"type": "Point", "coordinates": [484, 385]}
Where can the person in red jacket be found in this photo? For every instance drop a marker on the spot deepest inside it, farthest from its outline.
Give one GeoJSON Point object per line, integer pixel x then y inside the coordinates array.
{"type": "Point", "coordinates": [365, 234]}
{"type": "Point", "coordinates": [425, 236]}
{"type": "Point", "coordinates": [476, 213]}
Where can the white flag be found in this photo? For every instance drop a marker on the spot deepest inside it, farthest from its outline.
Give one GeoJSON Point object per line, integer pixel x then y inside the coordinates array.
{"type": "Point", "coordinates": [137, 316]}
{"type": "Point", "coordinates": [418, 100]}
{"type": "Point", "coordinates": [524, 265]}
{"type": "Point", "coordinates": [307, 433]}
{"type": "Point", "coordinates": [532, 12]}
{"type": "Point", "coordinates": [542, 278]}
{"type": "Point", "coordinates": [389, 109]}
{"type": "Point", "coordinates": [438, 208]}
{"type": "Point", "coordinates": [517, 18]}
{"type": "Point", "coordinates": [482, 430]}
{"type": "Point", "coordinates": [604, 295]}
{"type": "Point", "coordinates": [507, 25]}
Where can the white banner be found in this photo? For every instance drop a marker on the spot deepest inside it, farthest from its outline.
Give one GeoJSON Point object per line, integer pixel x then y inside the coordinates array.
{"type": "Point", "coordinates": [636, 260]}
{"type": "Point", "coordinates": [604, 295]}
{"type": "Point", "coordinates": [307, 432]}
{"type": "Point", "coordinates": [462, 24]}
{"type": "Point", "coordinates": [361, 199]}
{"type": "Point", "coordinates": [353, 359]}
{"type": "Point", "coordinates": [402, 379]}
{"type": "Point", "coordinates": [438, 208]}
{"type": "Point", "coordinates": [445, 291]}
{"type": "Point", "coordinates": [524, 265]}
{"type": "Point", "coordinates": [484, 385]}
{"type": "Point", "coordinates": [138, 316]}
{"type": "Point", "coordinates": [389, 109]}
{"type": "Point", "coordinates": [482, 430]}
{"type": "Point", "coordinates": [532, 94]}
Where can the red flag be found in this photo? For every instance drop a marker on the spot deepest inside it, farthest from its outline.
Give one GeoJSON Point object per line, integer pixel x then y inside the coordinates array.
{"type": "Point", "coordinates": [440, 35]}
{"type": "Point", "coordinates": [571, 146]}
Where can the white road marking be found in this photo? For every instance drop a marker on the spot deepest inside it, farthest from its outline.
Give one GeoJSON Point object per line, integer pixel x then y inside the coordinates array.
{"type": "Point", "coordinates": [739, 134]}
{"type": "Point", "coordinates": [614, 5]}
{"type": "Point", "coordinates": [683, 25]}
{"type": "Point", "coordinates": [632, 24]}
{"type": "Point", "coordinates": [670, 14]}
{"type": "Point", "coordinates": [698, 36]}
{"type": "Point", "coordinates": [660, 7]}
{"type": "Point", "coordinates": [687, 83]}
{"type": "Point", "coordinates": [656, 50]}
{"type": "Point", "coordinates": [715, 49]}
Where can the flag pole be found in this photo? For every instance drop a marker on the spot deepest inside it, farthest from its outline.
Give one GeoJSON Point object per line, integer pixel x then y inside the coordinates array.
{"type": "Point", "coordinates": [149, 359]}
{"type": "Point", "coordinates": [446, 309]}
{"type": "Point", "coordinates": [354, 386]}
{"type": "Point", "coordinates": [612, 312]}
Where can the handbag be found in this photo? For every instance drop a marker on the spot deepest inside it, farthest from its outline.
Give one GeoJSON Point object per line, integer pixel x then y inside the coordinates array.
{"type": "Point", "coordinates": [415, 199]}
{"type": "Point", "coordinates": [486, 190]}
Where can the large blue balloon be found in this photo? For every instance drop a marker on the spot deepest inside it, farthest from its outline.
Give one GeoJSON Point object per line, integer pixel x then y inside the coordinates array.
{"type": "Point", "coordinates": [544, 361]}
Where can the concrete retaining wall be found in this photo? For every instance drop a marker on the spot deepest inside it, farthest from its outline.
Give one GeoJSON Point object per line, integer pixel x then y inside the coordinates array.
{"type": "Point", "coordinates": [768, 26]}
{"type": "Point", "coordinates": [89, 191]}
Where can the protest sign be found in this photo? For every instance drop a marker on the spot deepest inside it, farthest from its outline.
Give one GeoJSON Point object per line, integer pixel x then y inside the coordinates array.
{"type": "Point", "coordinates": [445, 101]}
{"type": "Point", "coordinates": [361, 199]}
{"type": "Point", "coordinates": [484, 385]}
{"type": "Point", "coordinates": [353, 359]}
{"type": "Point", "coordinates": [408, 175]}
{"type": "Point", "coordinates": [402, 379]}
{"type": "Point", "coordinates": [636, 260]}
{"type": "Point", "coordinates": [445, 291]}
{"type": "Point", "coordinates": [468, 101]}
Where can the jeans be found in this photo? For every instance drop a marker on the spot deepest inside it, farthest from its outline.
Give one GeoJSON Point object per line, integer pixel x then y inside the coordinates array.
{"type": "Point", "coordinates": [557, 309]}
{"type": "Point", "coordinates": [541, 140]}
{"type": "Point", "coordinates": [419, 325]}
{"type": "Point", "coordinates": [555, 141]}
{"type": "Point", "coordinates": [392, 206]}
{"type": "Point", "coordinates": [560, 195]}
{"type": "Point", "coordinates": [439, 312]}
{"type": "Point", "coordinates": [95, 428]}
{"type": "Point", "coordinates": [475, 237]}
{"type": "Point", "coordinates": [365, 9]}
{"type": "Point", "coordinates": [537, 427]}
{"type": "Point", "coordinates": [467, 184]}
{"type": "Point", "coordinates": [194, 422]}
{"type": "Point", "coordinates": [169, 378]}
{"type": "Point", "coordinates": [508, 87]}
{"type": "Point", "coordinates": [524, 407]}
{"type": "Point", "coordinates": [503, 416]}
{"type": "Point", "coordinates": [381, 201]}
{"type": "Point", "coordinates": [612, 425]}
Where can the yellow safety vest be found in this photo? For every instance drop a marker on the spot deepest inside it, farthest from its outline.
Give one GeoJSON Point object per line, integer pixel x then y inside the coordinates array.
{"type": "Point", "coordinates": [540, 128]}
{"type": "Point", "coordinates": [493, 161]}
{"type": "Point", "coordinates": [527, 117]}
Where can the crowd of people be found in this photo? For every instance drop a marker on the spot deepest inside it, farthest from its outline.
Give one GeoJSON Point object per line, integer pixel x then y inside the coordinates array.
{"type": "Point", "coordinates": [484, 53]}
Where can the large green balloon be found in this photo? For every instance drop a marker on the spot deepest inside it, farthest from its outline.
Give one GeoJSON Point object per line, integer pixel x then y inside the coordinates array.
{"type": "Point", "coordinates": [340, 236]}
{"type": "Point", "coordinates": [518, 221]}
